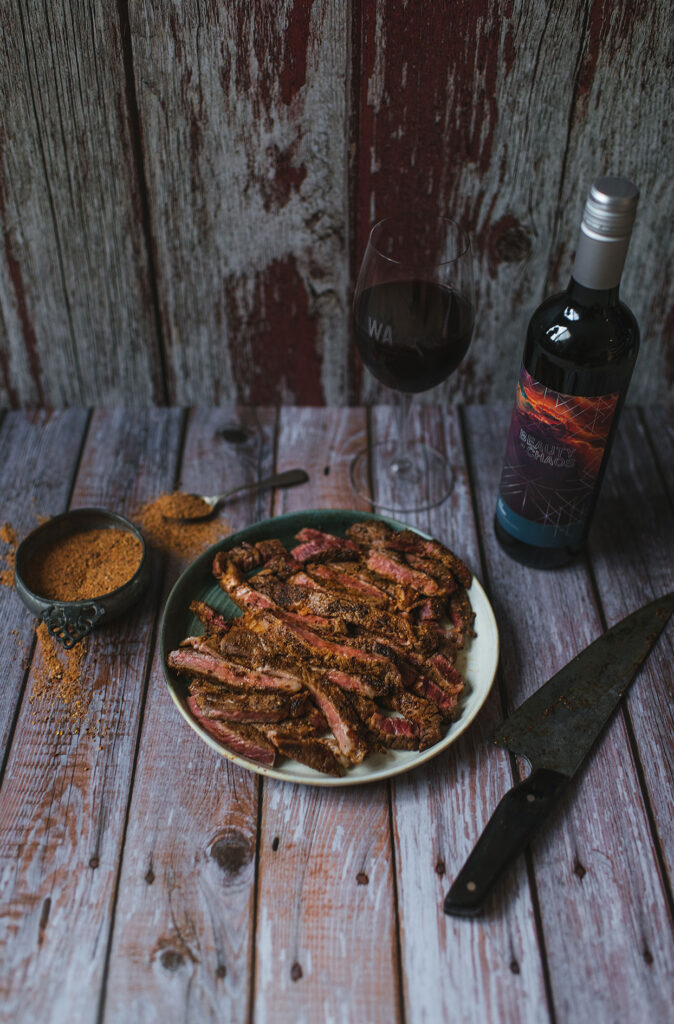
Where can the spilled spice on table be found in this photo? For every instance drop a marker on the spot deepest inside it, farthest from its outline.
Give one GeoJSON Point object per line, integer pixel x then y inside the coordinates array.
{"type": "Point", "coordinates": [57, 683]}
{"type": "Point", "coordinates": [174, 537]}
{"type": "Point", "coordinates": [8, 536]}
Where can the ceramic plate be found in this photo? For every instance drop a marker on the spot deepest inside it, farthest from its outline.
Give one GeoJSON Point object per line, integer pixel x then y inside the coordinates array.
{"type": "Point", "coordinates": [477, 665]}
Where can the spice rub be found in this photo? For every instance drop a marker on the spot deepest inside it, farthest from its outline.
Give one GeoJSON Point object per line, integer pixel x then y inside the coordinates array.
{"type": "Point", "coordinates": [183, 506]}
{"type": "Point", "coordinates": [84, 565]}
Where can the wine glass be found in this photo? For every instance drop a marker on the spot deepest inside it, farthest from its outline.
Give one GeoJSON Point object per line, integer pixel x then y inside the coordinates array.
{"type": "Point", "coordinates": [413, 312]}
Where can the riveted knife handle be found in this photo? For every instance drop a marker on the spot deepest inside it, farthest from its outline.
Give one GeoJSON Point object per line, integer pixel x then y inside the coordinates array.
{"type": "Point", "coordinates": [506, 834]}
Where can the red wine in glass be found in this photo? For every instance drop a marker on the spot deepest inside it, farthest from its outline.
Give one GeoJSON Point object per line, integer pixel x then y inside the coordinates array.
{"type": "Point", "coordinates": [413, 320]}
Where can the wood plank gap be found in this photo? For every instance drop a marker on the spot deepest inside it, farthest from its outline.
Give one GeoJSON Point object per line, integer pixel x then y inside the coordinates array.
{"type": "Point", "coordinates": [260, 790]}
{"type": "Point", "coordinates": [143, 195]}
{"type": "Point", "coordinates": [355, 19]}
{"type": "Point", "coordinates": [394, 870]}
{"type": "Point", "coordinates": [654, 453]}
{"type": "Point", "coordinates": [85, 435]}
{"type": "Point", "coordinates": [256, 878]}
{"type": "Point", "coordinates": [636, 757]}
{"type": "Point", "coordinates": [560, 210]}
{"type": "Point", "coordinates": [514, 767]}
{"type": "Point", "coordinates": [17, 708]}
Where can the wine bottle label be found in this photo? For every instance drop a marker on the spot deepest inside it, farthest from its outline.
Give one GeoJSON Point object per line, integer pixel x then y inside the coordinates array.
{"type": "Point", "coordinates": [555, 449]}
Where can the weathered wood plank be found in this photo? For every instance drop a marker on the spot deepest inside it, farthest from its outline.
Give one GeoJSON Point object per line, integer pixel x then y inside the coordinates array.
{"type": "Point", "coordinates": [608, 78]}
{"type": "Point", "coordinates": [243, 113]}
{"type": "Point", "coordinates": [488, 969]}
{"type": "Point", "coordinates": [38, 454]}
{"type": "Point", "coordinates": [632, 554]}
{"type": "Point", "coordinates": [603, 911]}
{"type": "Point", "coordinates": [499, 115]}
{"type": "Point", "coordinates": [182, 943]}
{"type": "Point", "coordinates": [76, 313]}
{"type": "Point", "coordinates": [64, 797]}
{"type": "Point", "coordinates": [326, 940]}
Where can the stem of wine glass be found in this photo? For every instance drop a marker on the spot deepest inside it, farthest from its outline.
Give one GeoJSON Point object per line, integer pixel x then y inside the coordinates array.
{"type": "Point", "coordinates": [402, 462]}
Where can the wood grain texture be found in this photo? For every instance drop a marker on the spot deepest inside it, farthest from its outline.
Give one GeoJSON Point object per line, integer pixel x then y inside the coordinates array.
{"type": "Point", "coordinates": [182, 943]}
{"type": "Point", "coordinates": [500, 114]}
{"type": "Point", "coordinates": [326, 939]}
{"type": "Point", "coordinates": [624, 64]}
{"type": "Point", "coordinates": [186, 187]}
{"type": "Point", "coordinates": [491, 968]}
{"type": "Point", "coordinates": [603, 910]}
{"type": "Point", "coordinates": [243, 113]}
{"type": "Point", "coordinates": [632, 554]}
{"type": "Point", "coordinates": [38, 454]}
{"type": "Point", "coordinates": [64, 795]}
{"type": "Point", "coordinates": [77, 321]}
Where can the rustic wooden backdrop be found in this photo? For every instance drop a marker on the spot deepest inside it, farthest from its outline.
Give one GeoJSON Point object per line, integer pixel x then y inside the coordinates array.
{"type": "Point", "coordinates": [186, 186]}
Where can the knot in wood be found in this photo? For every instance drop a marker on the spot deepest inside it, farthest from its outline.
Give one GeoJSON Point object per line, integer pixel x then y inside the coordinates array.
{"type": "Point", "coordinates": [510, 241]}
{"type": "Point", "coordinates": [171, 959]}
{"type": "Point", "coordinates": [231, 851]}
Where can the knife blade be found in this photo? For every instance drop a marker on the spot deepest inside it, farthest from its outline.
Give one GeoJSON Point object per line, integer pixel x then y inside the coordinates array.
{"type": "Point", "coordinates": [554, 730]}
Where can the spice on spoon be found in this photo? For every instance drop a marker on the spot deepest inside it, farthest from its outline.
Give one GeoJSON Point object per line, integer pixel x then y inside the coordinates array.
{"type": "Point", "coordinates": [183, 506]}
{"type": "Point", "coordinates": [184, 538]}
{"type": "Point", "coordinates": [84, 565]}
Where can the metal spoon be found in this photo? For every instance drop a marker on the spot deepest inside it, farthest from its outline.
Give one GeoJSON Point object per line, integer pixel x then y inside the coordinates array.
{"type": "Point", "coordinates": [292, 476]}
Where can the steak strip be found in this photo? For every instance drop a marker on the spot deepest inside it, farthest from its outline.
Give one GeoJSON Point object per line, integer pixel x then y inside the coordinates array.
{"type": "Point", "coordinates": [245, 740]}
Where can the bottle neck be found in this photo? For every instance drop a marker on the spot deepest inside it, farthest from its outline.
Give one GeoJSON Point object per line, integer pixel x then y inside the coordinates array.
{"type": "Point", "coordinates": [599, 261]}
{"type": "Point", "coordinates": [602, 297]}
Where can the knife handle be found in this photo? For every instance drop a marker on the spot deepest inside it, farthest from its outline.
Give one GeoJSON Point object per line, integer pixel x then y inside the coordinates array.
{"type": "Point", "coordinates": [506, 834]}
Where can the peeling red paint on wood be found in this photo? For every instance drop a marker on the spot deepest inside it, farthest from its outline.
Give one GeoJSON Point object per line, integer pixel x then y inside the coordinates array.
{"type": "Point", "coordinates": [185, 143]}
{"type": "Point", "coordinates": [274, 332]}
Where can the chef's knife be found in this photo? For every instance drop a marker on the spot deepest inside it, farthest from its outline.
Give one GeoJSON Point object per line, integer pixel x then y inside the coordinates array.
{"type": "Point", "coordinates": [554, 730]}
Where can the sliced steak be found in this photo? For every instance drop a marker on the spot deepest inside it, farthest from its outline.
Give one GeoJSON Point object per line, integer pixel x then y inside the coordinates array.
{"type": "Point", "coordinates": [308, 648]}
{"type": "Point", "coordinates": [461, 613]}
{"type": "Point", "coordinates": [445, 702]}
{"type": "Point", "coordinates": [234, 583]}
{"type": "Point", "coordinates": [393, 567]}
{"type": "Point", "coordinates": [216, 702]}
{"type": "Point", "coordinates": [353, 683]}
{"type": "Point", "coordinates": [245, 556]}
{"type": "Point", "coordinates": [349, 581]}
{"type": "Point", "coordinates": [199, 660]}
{"type": "Point", "coordinates": [245, 740]}
{"type": "Point", "coordinates": [422, 712]}
{"type": "Point", "coordinates": [209, 618]}
{"type": "Point", "coordinates": [397, 733]}
{"type": "Point", "coordinates": [341, 717]}
{"type": "Point", "coordinates": [408, 542]}
{"type": "Point", "coordinates": [318, 546]}
{"type": "Point", "coordinates": [316, 753]}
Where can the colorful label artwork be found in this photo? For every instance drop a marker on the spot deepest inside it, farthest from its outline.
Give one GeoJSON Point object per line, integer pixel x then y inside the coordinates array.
{"type": "Point", "coordinates": [555, 449]}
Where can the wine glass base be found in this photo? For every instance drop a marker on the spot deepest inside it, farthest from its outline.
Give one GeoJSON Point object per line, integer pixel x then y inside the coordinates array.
{"type": "Point", "coordinates": [421, 481]}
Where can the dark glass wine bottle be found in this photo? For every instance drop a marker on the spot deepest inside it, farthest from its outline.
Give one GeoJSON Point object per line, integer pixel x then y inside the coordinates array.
{"type": "Point", "coordinates": [579, 354]}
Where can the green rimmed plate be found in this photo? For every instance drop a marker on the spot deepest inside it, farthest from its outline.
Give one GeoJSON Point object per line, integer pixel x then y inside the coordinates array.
{"type": "Point", "coordinates": [477, 664]}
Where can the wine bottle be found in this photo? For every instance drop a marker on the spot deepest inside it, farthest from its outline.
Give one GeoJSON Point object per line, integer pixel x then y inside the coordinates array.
{"type": "Point", "coordinates": [580, 350]}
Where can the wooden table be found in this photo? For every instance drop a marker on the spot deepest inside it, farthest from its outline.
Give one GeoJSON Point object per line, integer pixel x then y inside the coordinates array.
{"type": "Point", "coordinates": [145, 878]}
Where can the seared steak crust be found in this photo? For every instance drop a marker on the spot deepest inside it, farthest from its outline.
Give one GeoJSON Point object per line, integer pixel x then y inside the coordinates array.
{"type": "Point", "coordinates": [345, 646]}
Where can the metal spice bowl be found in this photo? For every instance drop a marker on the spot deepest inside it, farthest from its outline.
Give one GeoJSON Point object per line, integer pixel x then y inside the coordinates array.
{"type": "Point", "coordinates": [71, 621]}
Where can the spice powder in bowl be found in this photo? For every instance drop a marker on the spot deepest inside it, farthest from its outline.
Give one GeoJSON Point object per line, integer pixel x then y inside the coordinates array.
{"type": "Point", "coordinates": [84, 565]}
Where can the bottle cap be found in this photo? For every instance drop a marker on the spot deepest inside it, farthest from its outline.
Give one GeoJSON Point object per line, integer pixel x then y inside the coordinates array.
{"type": "Point", "coordinates": [610, 208]}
